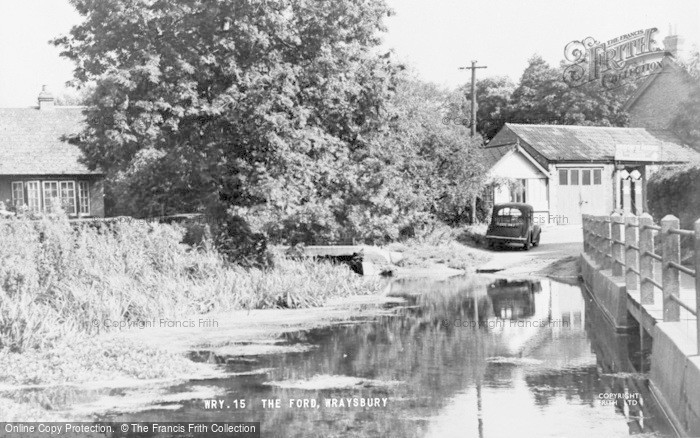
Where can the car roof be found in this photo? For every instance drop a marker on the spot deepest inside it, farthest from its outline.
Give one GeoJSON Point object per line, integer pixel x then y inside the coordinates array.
{"type": "Point", "coordinates": [519, 205]}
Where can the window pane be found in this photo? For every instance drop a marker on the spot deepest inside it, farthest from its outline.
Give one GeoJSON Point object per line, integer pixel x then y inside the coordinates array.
{"type": "Point", "coordinates": [84, 195]}
{"type": "Point", "coordinates": [51, 199]}
{"type": "Point", "coordinates": [574, 177]}
{"type": "Point", "coordinates": [17, 194]}
{"type": "Point", "coordinates": [563, 177]}
{"type": "Point", "coordinates": [33, 196]}
{"type": "Point", "coordinates": [597, 176]}
{"type": "Point", "coordinates": [586, 177]}
{"type": "Point", "coordinates": [68, 196]}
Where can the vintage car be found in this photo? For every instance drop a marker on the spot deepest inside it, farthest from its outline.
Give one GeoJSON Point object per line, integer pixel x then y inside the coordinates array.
{"type": "Point", "coordinates": [513, 223]}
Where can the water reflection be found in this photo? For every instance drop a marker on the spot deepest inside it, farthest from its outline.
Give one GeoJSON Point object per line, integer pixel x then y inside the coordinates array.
{"type": "Point", "coordinates": [463, 359]}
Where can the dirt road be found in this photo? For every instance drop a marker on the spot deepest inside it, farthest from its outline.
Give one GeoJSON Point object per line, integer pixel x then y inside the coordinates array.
{"type": "Point", "coordinates": [555, 256]}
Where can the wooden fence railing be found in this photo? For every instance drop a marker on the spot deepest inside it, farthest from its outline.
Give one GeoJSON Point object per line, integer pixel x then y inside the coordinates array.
{"type": "Point", "coordinates": [625, 245]}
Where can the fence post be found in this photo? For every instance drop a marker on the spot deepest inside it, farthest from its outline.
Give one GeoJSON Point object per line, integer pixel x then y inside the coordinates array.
{"type": "Point", "coordinates": [646, 263]}
{"type": "Point", "coordinates": [607, 253]}
{"type": "Point", "coordinates": [596, 240]}
{"type": "Point", "coordinates": [588, 234]}
{"type": "Point", "coordinates": [631, 255]}
{"type": "Point", "coordinates": [697, 281]}
{"type": "Point", "coordinates": [594, 245]}
{"type": "Point", "coordinates": [584, 227]}
{"type": "Point", "coordinates": [617, 250]}
{"type": "Point", "coordinates": [671, 278]}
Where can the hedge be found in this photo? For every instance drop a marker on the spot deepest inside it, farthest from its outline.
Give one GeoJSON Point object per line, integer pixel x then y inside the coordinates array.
{"type": "Point", "coordinates": [676, 191]}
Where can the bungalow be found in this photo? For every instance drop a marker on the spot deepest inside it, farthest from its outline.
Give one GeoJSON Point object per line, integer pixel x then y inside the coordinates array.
{"type": "Point", "coordinates": [38, 169]}
{"type": "Point", "coordinates": [566, 171]}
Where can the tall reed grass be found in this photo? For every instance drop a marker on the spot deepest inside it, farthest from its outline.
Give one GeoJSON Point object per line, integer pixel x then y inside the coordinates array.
{"type": "Point", "coordinates": [58, 279]}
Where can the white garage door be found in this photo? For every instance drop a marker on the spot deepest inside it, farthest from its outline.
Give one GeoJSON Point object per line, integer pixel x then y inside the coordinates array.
{"type": "Point", "coordinates": [580, 191]}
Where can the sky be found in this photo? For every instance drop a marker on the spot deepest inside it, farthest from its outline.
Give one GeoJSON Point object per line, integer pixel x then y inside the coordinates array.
{"type": "Point", "coordinates": [434, 37]}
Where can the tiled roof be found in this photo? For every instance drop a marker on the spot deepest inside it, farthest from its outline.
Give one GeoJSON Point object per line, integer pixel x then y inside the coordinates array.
{"type": "Point", "coordinates": [596, 143]}
{"type": "Point", "coordinates": [668, 66]}
{"type": "Point", "coordinates": [492, 155]}
{"type": "Point", "coordinates": [30, 141]}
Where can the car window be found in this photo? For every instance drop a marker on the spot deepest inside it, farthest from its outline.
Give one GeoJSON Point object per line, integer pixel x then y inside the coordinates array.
{"type": "Point", "coordinates": [508, 215]}
{"type": "Point", "coordinates": [508, 211]}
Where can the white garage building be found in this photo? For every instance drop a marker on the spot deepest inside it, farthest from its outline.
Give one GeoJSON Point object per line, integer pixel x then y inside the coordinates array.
{"type": "Point", "coordinates": [564, 171]}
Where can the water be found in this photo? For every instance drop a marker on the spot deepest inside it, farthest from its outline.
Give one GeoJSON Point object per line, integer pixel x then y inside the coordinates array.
{"type": "Point", "coordinates": [462, 359]}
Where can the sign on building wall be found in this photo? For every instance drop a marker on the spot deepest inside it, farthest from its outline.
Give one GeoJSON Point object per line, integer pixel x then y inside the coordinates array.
{"type": "Point", "coordinates": [637, 152]}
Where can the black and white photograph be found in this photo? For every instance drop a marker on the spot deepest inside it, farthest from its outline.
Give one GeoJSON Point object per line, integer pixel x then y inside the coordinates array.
{"type": "Point", "coordinates": [349, 218]}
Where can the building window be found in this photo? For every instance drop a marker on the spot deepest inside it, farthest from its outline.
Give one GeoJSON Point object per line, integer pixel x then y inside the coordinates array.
{"type": "Point", "coordinates": [84, 197]}
{"type": "Point", "coordinates": [33, 196]}
{"type": "Point", "coordinates": [586, 177]}
{"type": "Point", "coordinates": [517, 191]}
{"type": "Point", "coordinates": [17, 194]}
{"type": "Point", "coordinates": [563, 180]}
{"type": "Point", "coordinates": [597, 176]}
{"type": "Point", "coordinates": [68, 196]}
{"type": "Point", "coordinates": [51, 197]}
{"type": "Point", "coordinates": [574, 177]}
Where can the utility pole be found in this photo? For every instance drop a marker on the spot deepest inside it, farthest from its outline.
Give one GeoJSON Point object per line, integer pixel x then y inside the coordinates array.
{"type": "Point", "coordinates": [473, 99]}
{"type": "Point", "coordinates": [473, 123]}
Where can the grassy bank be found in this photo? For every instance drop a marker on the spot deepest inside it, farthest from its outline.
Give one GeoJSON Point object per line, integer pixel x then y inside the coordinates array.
{"type": "Point", "coordinates": [456, 248]}
{"type": "Point", "coordinates": [58, 282]}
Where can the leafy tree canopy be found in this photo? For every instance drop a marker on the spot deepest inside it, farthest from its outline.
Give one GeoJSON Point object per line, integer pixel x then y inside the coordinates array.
{"type": "Point", "coordinates": [542, 97]}
{"type": "Point", "coordinates": [281, 112]}
{"type": "Point", "coordinates": [204, 102]}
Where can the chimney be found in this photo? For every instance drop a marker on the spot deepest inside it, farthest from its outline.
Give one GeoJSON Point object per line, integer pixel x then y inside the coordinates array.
{"type": "Point", "coordinates": [673, 44]}
{"type": "Point", "coordinates": [45, 99]}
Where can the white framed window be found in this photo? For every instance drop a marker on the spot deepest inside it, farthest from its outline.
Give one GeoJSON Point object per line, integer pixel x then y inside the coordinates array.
{"type": "Point", "coordinates": [68, 196]}
{"type": "Point", "coordinates": [517, 191]}
{"type": "Point", "coordinates": [597, 175]}
{"type": "Point", "coordinates": [33, 196]}
{"type": "Point", "coordinates": [574, 177]}
{"type": "Point", "coordinates": [84, 197]}
{"type": "Point", "coordinates": [585, 177]}
{"type": "Point", "coordinates": [51, 195]}
{"type": "Point", "coordinates": [563, 177]}
{"type": "Point", "coordinates": [17, 194]}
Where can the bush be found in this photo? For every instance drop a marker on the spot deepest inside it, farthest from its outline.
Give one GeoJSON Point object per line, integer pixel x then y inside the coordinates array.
{"type": "Point", "coordinates": [676, 191]}
{"type": "Point", "coordinates": [57, 280]}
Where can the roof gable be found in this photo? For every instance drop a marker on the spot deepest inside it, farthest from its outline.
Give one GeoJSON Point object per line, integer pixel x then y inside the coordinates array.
{"type": "Point", "coordinates": [669, 66]}
{"type": "Point", "coordinates": [31, 141]}
{"type": "Point", "coordinates": [517, 164]}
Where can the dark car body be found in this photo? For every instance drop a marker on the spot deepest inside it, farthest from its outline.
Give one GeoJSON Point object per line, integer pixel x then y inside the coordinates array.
{"type": "Point", "coordinates": [513, 299]}
{"type": "Point", "coordinates": [513, 223]}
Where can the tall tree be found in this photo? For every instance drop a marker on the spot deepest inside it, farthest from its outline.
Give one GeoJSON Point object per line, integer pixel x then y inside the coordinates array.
{"type": "Point", "coordinates": [493, 98]}
{"type": "Point", "coordinates": [542, 97]}
{"type": "Point", "coordinates": [439, 161]}
{"type": "Point", "coordinates": [228, 104]}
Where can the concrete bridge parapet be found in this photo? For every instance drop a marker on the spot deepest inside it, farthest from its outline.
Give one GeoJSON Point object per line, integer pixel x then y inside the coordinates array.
{"type": "Point", "coordinates": [617, 266]}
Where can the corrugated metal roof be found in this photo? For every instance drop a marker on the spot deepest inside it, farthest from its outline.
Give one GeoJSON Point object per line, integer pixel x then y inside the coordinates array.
{"type": "Point", "coordinates": [596, 143]}
{"type": "Point", "coordinates": [30, 141]}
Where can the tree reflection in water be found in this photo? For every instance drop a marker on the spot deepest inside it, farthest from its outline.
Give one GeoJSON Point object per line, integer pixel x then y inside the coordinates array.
{"type": "Point", "coordinates": [452, 363]}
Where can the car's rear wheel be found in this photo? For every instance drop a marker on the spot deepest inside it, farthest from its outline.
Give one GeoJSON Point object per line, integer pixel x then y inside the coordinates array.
{"type": "Point", "coordinates": [537, 240]}
{"type": "Point", "coordinates": [527, 244]}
